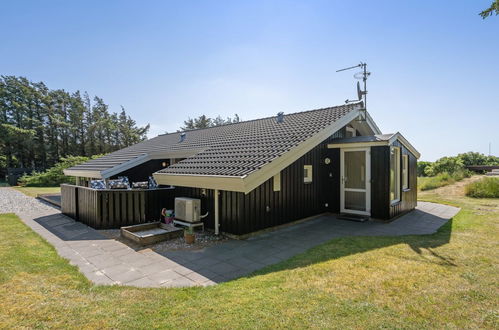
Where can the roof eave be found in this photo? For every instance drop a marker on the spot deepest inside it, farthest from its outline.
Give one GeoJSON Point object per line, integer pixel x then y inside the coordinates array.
{"type": "Point", "coordinates": [221, 182]}
{"type": "Point", "coordinates": [393, 138]}
{"type": "Point", "coordinates": [83, 173]}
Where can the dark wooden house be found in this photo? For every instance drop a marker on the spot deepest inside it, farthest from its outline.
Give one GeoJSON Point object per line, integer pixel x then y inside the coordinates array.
{"type": "Point", "coordinates": [268, 172]}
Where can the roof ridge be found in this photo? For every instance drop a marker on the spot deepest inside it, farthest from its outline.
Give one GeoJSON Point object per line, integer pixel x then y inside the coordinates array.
{"type": "Point", "coordinates": [264, 118]}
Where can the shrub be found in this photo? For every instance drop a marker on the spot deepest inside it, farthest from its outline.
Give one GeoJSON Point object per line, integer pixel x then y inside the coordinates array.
{"type": "Point", "coordinates": [476, 158]}
{"type": "Point", "coordinates": [422, 167]}
{"type": "Point", "coordinates": [484, 188]}
{"type": "Point", "coordinates": [445, 165]}
{"type": "Point", "coordinates": [54, 176]}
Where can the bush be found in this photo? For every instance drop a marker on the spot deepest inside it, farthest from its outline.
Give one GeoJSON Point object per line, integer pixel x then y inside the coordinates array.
{"type": "Point", "coordinates": [54, 176]}
{"type": "Point", "coordinates": [445, 165]}
{"type": "Point", "coordinates": [422, 167]}
{"type": "Point", "coordinates": [484, 188]}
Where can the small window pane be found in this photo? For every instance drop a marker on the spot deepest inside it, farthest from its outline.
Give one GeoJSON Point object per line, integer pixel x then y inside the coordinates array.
{"type": "Point", "coordinates": [405, 172]}
{"type": "Point", "coordinates": [307, 173]}
{"type": "Point", "coordinates": [394, 174]}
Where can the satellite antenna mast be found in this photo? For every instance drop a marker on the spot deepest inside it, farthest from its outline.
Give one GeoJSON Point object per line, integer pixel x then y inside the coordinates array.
{"type": "Point", "coordinates": [361, 94]}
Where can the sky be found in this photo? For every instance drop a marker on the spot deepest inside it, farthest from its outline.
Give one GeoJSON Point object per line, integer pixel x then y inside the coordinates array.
{"type": "Point", "coordinates": [434, 64]}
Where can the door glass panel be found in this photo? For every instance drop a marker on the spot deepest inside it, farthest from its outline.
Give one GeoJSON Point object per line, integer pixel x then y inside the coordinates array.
{"type": "Point", "coordinates": [355, 200]}
{"type": "Point", "coordinates": [355, 169]}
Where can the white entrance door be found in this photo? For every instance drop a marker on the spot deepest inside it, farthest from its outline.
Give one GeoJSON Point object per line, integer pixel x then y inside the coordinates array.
{"type": "Point", "coordinates": [356, 181]}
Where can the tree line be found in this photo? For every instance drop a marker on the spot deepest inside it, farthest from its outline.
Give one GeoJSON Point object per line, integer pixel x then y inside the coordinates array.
{"type": "Point", "coordinates": [39, 126]}
{"type": "Point", "coordinates": [453, 164]}
{"type": "Point", "coordinates": [204, 121]}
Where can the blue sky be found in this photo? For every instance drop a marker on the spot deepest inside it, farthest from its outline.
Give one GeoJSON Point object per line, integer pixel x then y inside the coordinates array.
{"type": "Point", "coordinates": [434, 64]}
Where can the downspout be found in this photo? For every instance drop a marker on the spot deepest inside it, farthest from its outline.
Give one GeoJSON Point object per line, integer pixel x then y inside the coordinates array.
{"type": "Point", "coordinates": [216, 212]}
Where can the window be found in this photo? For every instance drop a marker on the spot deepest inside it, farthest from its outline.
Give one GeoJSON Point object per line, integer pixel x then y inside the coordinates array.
{"type": "Point", "coordinates": [394, 174]}
{"type": "Point", "coordinates": [350, 132]}
{"type": "Point", "coordinates": [307, 173]}
{"type": "Point", "coordinates": [277, 182]}
{"type": "Point", "coordinates": [405, 172]}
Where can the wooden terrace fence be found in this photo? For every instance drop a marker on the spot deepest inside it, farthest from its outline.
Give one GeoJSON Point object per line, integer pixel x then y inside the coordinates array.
{"type": "Point", "coordinates": [112, 209]}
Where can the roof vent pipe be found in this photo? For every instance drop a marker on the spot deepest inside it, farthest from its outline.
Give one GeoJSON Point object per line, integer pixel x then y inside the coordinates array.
{"type": "Point", "coordinates": [280, 117]}
{"type": "Point", "coordinates": [182, 137]}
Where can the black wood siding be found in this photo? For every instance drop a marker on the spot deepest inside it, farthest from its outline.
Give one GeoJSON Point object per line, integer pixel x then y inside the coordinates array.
{"type": "Point", "coordinates": [263, 207]}
{"type": "Point", "coordinates": [331, 184]}
{"type": "Point", "coordinates": [408, 198]}
{"type": "Point", "coordinates": [104, 209]}
{"type": "Point", "coordinates": [380, 182]}
{"type": "Point", "coordinates": [381, 207]}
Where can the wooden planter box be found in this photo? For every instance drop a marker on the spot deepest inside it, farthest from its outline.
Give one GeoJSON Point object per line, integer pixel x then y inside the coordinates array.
{"type": "Point", "coordinates": [150, 233]}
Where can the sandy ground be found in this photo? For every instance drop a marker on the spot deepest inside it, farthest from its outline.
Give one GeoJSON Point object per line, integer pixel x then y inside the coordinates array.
{"type": "Point", "coordinates": [456, 189]}
{"type": "Point", "coordinates": [455, 192]}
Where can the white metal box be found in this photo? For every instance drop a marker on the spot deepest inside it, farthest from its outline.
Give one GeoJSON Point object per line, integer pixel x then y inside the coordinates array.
{"type": "Point", "coordinates": [188, 209]}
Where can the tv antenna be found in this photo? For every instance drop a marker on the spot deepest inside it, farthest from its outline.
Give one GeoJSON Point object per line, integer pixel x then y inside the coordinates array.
{"type": "Point", "coordinates": [361, 75]}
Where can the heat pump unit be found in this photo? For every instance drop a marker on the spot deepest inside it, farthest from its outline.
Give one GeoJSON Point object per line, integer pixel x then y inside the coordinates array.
{"type": "Point", "coordinates": [188, 209]}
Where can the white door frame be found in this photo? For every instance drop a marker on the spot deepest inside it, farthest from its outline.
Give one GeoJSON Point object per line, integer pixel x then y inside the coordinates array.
{"type": "Point", "coordinates": [368, 181]}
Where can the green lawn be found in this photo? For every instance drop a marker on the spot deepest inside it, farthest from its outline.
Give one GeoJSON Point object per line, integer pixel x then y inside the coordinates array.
{"type": "Point", "coordinates": [445, 280]}
{"type": "Point", "coordinates": [35, 191]}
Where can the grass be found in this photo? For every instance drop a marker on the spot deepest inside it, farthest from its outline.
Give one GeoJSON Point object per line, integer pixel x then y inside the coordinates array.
{"type": "Point", "coordinates": [445, 280]}
{"type": "Point", "coordinates": [440, 180]}
{"type": "Point", "coordinates": [35, 191]}
{"type": "Point", "coordinates": [484, 188]}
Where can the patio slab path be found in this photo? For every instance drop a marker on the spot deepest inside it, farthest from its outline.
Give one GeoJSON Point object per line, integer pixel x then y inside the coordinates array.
{"type": "Point", "coordinates": [107, 261]}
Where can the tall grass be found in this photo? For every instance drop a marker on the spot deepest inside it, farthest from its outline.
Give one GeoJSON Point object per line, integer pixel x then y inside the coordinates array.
{"type": "Point", "coordinates": [484, 188]}
{"type": "Point", "coordinates": [440, 180]}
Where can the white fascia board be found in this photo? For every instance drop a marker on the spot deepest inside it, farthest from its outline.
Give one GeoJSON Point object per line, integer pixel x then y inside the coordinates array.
{"type": "Point", "coordinates": [372, 124]}
{"type": "Point", "coordinates": [83, 173]}
{"type": "Point", "coordinates": [357, 144]}
{"type": "Point", "coordinates": [220, 182]}
{"type": "Point", "coordinates": [407, 144]}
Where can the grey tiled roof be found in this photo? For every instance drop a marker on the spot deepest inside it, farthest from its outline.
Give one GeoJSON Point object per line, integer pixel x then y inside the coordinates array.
{"type": "Point", "coordinates": [229, 150]}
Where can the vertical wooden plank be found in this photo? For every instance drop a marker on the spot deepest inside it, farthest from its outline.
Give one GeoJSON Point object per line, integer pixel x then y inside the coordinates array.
{"type": "Point", "coordinates": [98, 209]}
{"type": "Point", "coordinates": [235, 210]}
{"type": "Point", "coordinates": [136, 208]}
{"type": "Point", "coordinates": [123, 209]}
{"type": "Point", "coordinates": [129, 208]}
{"type": "Point", "coordinates": [142, 206]}
{"type": "Point", "coordinates": [110, 208]}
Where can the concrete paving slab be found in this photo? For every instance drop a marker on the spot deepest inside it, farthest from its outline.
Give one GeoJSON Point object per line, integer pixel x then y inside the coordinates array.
{"type": "Point", "coordinates": [165, 276]}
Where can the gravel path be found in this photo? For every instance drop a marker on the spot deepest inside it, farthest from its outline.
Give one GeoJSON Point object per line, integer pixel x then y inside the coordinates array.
{"type": "Point", "coordinates": [13, 201]}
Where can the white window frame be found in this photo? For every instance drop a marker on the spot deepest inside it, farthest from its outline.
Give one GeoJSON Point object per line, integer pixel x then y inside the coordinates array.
{"type": "Point", "coordinates": [368, 181]}
{"type": "Point", "coordinates": [307, 173]}
{"type": "Point", "coordinates": [277, 182]}
{"type": "Point", "coordinates": [405, 172]}
{"type": "Point", "coordinates": [396, 176]}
